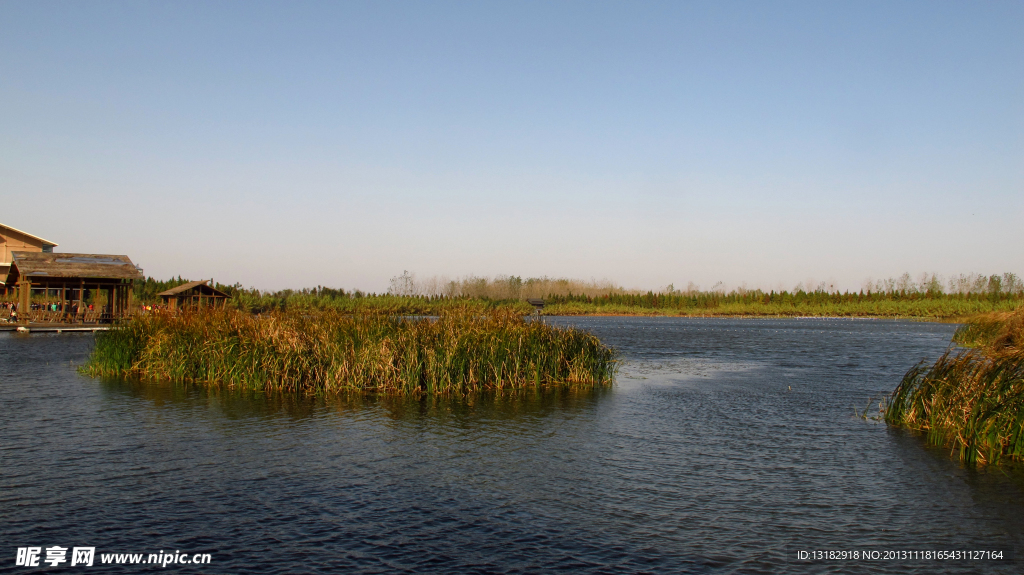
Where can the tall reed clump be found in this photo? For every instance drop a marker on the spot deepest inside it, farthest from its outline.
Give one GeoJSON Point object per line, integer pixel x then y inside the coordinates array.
{"type": "Point", "coordinates": [971, 400]}
{"type": "Point", "coordinates": [328, 352]}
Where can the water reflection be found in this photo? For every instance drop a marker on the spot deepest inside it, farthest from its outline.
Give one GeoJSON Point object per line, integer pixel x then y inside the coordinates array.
{"type": "Point", "coordinates": [995, 492]}
{"type": "Point", "coordinates": [242, 403]}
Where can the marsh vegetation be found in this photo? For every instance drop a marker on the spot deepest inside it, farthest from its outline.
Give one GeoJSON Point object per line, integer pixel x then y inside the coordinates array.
{"type": "Point", "coordinates": [971, 400]}
{"type": "Point", "coordinates": [327, 352]}
{"type": "Point", "coordinates": [928, 297]}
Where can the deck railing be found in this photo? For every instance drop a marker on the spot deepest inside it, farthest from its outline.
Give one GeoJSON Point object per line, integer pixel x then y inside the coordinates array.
{"type": "Point", "coordinates": [43, 316]}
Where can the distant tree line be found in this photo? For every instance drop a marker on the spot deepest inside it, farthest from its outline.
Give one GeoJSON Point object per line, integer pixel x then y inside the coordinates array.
{"type": "Point", "coordinates": [405, 289]}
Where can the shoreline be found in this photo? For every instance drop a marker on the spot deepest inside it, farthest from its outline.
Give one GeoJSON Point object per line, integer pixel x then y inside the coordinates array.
{"type": "Point", "coordinates": [944, 319]}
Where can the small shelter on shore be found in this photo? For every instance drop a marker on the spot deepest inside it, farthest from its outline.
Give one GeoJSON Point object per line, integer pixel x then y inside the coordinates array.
{"type": "Point", "coordinates": [194, 294]}
{"type": "Point", "coordinates": [65, 281]}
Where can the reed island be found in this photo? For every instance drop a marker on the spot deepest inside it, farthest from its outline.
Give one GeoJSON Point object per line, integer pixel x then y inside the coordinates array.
{"type": "Point", "coordinates": [971, 400]}
{"type": "Point", "coordinates": [326, 351]}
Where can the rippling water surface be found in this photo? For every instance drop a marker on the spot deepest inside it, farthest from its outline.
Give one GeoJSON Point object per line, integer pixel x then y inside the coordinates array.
{"type": "Point", "coordinates": [724, 447]}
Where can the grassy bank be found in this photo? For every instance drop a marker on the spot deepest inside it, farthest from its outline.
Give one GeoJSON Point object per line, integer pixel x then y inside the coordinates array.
{"type": "Point", "coordinates": [833, 305]}
{"type": "Point", "coordinates": [970, 400]}
{"type": "Point", "coordinates": [328, 351]}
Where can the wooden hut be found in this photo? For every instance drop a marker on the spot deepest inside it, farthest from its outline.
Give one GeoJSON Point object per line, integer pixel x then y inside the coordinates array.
{"type": "Point", "coordinates": [65, 280]}
{"type": "Point", "coordinates": [194, 294]}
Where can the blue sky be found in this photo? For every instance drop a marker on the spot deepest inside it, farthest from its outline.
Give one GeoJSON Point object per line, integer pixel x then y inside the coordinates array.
{"type": "Point", "coordinates": [301, 144]}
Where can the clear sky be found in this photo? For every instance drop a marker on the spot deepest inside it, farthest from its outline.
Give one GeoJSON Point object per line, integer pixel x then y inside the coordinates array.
{"type": "Point", "coordinates": [287, 144]}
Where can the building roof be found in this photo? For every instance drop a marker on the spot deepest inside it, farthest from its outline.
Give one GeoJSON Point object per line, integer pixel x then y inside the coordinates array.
{"type": "Point", "coordinates": [201, 284]}
{"type": "Point", "coordinates": [47, 242]}
{"type": "Point", "coordinates": [44, 264]}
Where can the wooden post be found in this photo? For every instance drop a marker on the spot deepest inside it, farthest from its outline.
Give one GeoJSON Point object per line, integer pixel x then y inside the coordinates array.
{"type": "Point", "coordinates": [24, 299]}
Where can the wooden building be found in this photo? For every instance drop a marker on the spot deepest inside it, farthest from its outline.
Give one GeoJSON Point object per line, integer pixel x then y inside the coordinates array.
{"type": "Point", "coordinates": [12, 240]}
{"type": "Point", "coordinates": [67, 281]}
{"type": "Point", "coordinates": [194, 294]}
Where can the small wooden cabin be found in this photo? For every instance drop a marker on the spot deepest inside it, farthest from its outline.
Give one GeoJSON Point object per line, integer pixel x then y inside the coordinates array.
{"type": "Point", "coordinates": [194, 294]}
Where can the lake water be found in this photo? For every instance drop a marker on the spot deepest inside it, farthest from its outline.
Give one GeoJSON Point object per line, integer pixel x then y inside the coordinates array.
{"type": "Point", "coordinates": [726, 446]}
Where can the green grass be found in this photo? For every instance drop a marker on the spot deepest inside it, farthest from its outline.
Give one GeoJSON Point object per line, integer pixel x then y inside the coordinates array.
{"type": "Point", "coordinates": [384, 304]}
{"type": "Point", "coordinates": [933, 309]}
{"type": "Point", "coordinates": [327, 352]}
{"type": "Point", "coordinates": [971, 400]}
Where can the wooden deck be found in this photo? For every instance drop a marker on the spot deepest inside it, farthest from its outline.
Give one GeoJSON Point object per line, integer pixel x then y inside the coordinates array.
{"type": "Point", "coordinates": [57, 321]}
{"type": "Point", "coordinates": [51, 327]}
